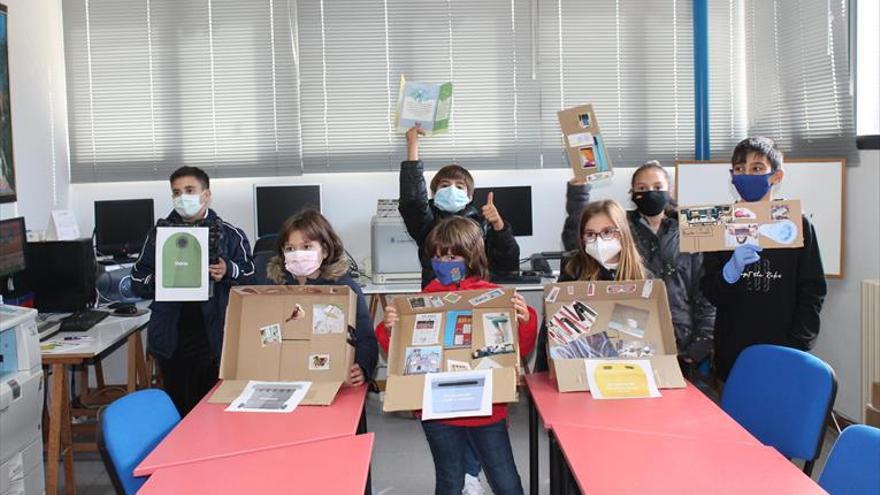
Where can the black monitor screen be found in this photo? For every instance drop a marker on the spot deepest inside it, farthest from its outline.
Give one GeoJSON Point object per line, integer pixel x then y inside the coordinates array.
{"type": "Point", "coordinates": [12, 241]}
{"type": "Point", "coordinates": [514, 205]}
{"type": "Point", "coordinates": [121, 226]}
{"type": "Point", "coordinates": [276, 203]}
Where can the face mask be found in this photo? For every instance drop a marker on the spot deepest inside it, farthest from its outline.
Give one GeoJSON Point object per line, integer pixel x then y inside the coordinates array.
{"type": "Point", "coordinates": [187, 205]}
{"type": "Point", "coordinates": [449, 272]}
{"type": "Point", "coordinates": [302, 263]}
{"type": "Point", "coordinates": [752, 187]}
{"type": "Point", "coordinates": [650, 203]}
{"type": "Point", "coordinates": [603, 250]}
{"type": "Point", "coordinates": [451, 199]}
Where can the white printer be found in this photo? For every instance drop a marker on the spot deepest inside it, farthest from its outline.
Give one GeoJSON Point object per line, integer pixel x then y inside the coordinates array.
{"type": "Point", "coordinates": [21, 403]}
{"type": "Point", "coordinates": [395, 255]}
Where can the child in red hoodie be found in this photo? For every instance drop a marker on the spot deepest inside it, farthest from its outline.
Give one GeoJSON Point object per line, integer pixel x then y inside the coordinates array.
{"type": "Point", "coordinates": [459, 263]}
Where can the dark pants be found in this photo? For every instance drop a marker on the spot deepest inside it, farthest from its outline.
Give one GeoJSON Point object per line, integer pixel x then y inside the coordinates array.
{"type": "Point", "coordinates": [191, 371]}
{"type": "Point", "coordinates": [491, 443]}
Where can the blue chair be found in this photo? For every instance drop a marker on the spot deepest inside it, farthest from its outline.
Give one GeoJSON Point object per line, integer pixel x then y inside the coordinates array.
{"type": "Point", "coordinates": [783, 396]}
{"type": "Point", "coordinates": [853, 466]}
{"type": "Point", "coordinates": [129, 429]}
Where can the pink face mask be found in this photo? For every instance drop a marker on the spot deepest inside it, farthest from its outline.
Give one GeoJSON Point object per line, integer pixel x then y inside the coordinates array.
{"type": "Point", "coordinates": [302, 263]}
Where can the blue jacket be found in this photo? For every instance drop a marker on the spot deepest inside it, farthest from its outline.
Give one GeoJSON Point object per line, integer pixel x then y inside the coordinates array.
{"type": "Point", "coordinates": [162, 330]}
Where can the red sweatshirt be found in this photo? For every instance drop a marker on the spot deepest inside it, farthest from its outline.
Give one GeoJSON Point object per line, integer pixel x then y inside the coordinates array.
{"type": "Point", "coordinates": [527, 333]}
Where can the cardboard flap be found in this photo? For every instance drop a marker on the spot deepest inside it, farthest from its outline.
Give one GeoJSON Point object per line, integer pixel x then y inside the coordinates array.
{"type": "Point", "coordinates": [227, 391]}
{"type": "Point", "coordinates": [774, 224]}
{"type": "Point", "coordinates": [321, 394]}
{"type": "Point", "coordinates": [667, 371]}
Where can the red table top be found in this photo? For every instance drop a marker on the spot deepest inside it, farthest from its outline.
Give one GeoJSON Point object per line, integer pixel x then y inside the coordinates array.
{"type": "Point", "coordinates": [208, 432]}
{"type": "Point", "coordinates": [686, 412]}
{"type": "Point", "coordinates": [334, 466]}
{"type": "Point", "coordinates": [605, 461]}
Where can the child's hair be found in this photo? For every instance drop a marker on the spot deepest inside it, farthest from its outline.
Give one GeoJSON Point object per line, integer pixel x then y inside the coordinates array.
{"type": "Point", "coordinates": [460, 236]}
{"type": "Point", "coordinates": [648, 165]}
{"type": "Point", "coordinates": [583, 267]}
{"type": "Point", "coordinates": [453, 172]}
{"type": "Point", "coordinates": [314, 227]}
{"type": "Point", "coordinates": [194, 172]}
{"type": "Point", "coordinates": [761, 145]}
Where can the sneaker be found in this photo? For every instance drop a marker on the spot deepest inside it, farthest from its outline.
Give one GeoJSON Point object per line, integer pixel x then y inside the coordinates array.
{"type": "Point", "coordinates": [472, 486]}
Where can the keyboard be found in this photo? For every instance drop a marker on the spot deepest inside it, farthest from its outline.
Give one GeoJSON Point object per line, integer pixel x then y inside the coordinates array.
{"type": "Point", "coordinates": [515, 279]}
{"type": "Point", "coordinates": [82, 320]}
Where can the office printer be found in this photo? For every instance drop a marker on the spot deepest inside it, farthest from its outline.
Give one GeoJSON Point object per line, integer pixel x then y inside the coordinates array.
{"type": "Point", "coordinates": [395, 255]}
{"type": "Point", "coordinates": [21, 403]}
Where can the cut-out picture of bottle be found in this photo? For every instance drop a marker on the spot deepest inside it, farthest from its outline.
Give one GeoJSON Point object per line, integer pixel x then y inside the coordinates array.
{"type": "Point", "coordinates": [181, 262]}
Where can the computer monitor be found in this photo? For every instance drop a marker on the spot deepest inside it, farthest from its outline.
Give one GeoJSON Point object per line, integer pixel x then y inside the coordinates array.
{"type": "Point", "coordinates": [514, 204]}
{"type": "Point", "coordinates": [273, 204]}
{"type": "Point", "coordinates": [121, 226]}
{"type": "Point", "coordinates": [13, 238]}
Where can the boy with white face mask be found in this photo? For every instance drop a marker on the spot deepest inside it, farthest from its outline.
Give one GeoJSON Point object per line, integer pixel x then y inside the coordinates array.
{"type": "Point", "coordinates": [186, 337]}
{"type": "Point", "coordinates": [453, 190]}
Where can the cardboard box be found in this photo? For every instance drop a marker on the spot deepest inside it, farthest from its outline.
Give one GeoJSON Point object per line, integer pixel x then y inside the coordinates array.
{"type": "Point", "coordinates": [627, 312]}
{"type": "Point", "coordinates": [583, 143]}
{"type": "Point", "coordinates": [404, 387]}
{"type": "Point", "coordinates": [287, 333]}
{"type": "Point", "coordinates": [872, 410]}
{"type": "Point", "coordinates": [769, 224]}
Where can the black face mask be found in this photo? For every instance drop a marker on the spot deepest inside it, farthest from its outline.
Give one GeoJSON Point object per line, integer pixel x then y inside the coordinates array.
{"type": "Point", "coordinates": [650, 203]}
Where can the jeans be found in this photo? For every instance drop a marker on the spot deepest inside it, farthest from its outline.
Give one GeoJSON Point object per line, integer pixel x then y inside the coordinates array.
{"type": "Point", "coordinates": [471, 463]}
{"type": "Point", "coordinates": [490, 443]}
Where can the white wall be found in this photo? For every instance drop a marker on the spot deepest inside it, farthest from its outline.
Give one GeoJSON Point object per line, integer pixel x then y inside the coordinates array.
{"type": "Point", "coordinates": [39, 110]}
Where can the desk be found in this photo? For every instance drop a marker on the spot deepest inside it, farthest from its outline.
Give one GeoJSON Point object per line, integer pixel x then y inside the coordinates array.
{"type": "Point", "coordinates": [208, 432]}
{"type": "Point", "coordinates": [606, 461]}
{"type": "Point", "coordinates": [337, 466]}
{"type": "Point", "coordinates": [680, 412]}
{"type": "Point", "coordinates": [107, 336]}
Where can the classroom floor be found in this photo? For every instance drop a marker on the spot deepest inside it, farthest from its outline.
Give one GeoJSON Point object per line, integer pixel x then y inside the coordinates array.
{"type": "Point", "coordinates": [401, 459]}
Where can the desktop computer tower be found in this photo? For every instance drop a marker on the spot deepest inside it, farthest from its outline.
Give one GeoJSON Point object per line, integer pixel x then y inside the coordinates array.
{"type": "Point", "coordinates": [61, 275]}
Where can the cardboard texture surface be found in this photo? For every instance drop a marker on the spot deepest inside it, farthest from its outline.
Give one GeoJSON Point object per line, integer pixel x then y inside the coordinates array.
{"type": "Point", "coordinates": [872, 410]}
{"type": "Point", "coordinates": [633, 313]}
{"type": "Point", "coordinates": [404, 390]}
{"type": "Point", "coordinates": [583, 143]}
{"type": "Point", "coordinates": [314, 344]}
{"type": "Point", "coordinates": [769, 224]}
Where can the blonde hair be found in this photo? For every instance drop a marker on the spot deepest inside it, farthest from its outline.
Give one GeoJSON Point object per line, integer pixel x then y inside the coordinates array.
{"type": "Point", "coordinates": [460, 236]}
{"type": "Point", "coordinates": [583, 267]}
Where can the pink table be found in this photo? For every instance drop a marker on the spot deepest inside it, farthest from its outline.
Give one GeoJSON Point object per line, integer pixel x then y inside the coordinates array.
{"type": "Point", "coordinates": [607, 461]}
{"type": "Point", "coordinates": [208, 432]}
{"type": "Point", "coordinates": [337, 466]}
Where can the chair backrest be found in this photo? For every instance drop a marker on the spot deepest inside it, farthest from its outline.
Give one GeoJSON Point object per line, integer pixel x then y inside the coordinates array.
{"type": "Point", "coordinates": [783, 397]}
{"type": "Point", "coordinates": [129, 429]}
{"type": "Point", "coordinates": [266, 243]}
{"type": "Point", "coordinates": [853, 466]}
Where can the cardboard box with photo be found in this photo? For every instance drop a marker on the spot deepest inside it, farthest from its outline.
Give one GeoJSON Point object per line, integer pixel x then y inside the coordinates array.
{"type": "Point", "coordinates": [615, 320]}
{"type": "Point", "coordinates": [770, 224]}
{"type": "Point", "coordinates": [485, 317]}
{"type": "Point", "coordinates": [311, 347]}
{"type": "Point", "coordinates": [583, 143]}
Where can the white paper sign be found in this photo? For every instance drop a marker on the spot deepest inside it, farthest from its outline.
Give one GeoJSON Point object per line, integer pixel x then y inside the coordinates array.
{"type": "Point", "coordinates": [621, 379]}
{"type": "Point", "coordinates": [458, 394]}
{"type": "Point", "coordinates": [181, 264]}
{"type": "Point", "coordinates": [62, 226]}
{"type": "Point", "coordinates": [270, 397]}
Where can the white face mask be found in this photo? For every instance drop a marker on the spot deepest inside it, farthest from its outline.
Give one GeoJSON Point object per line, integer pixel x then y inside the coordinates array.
{"type": "Point", "coordinates": [603, 251]}
{"type": "Point", "coordinates": [187, 205]}
{"type": "Point", "coordinates": [302, 263]}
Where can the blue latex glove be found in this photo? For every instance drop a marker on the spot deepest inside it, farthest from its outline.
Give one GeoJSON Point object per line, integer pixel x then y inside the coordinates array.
{"type": "Point", "coordinates": [742, 256]}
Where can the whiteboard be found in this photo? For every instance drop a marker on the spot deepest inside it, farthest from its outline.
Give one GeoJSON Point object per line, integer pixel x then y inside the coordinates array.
{"type": "Point", "coordinates": [820, 185]}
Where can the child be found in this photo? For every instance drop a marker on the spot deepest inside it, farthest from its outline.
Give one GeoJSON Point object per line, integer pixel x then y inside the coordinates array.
{"type": "Point", "coordinates": [770, 296]}
{"type": "Point", "coordinates": [310, 253]}
{"type": "Point", "coordinates": [654, 224]}
{"type": "Point", "coordinates": [186, 337]}
{"type": "Point", "coordinates": [459, 261]}
{"type": "Point", "coordinates": [605, 251]}
{"type": "Point", "coordinates": [452, 189]}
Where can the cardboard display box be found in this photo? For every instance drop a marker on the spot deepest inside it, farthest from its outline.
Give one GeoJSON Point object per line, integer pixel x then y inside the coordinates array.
{"type": "Point", "coordinates": [769, 224]}
{"type": "Point", "coordinates": [606, 316]}
{"type": "Point", "coordinates": [460, 338]}
{"type": "Point", "coordinates": [583, 143]}
{"type": "Point", "coordinates": [287, 333]}
{"type": "Point", "coordinates": [872, 410]}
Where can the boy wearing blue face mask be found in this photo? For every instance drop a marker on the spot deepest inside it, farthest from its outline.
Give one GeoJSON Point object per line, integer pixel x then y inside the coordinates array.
{"type": "Point", "coordinates": [763, 296]}
{"type": "Point", "coordinates": [452, 189]}
{"type": "Point", "coordinates": [186, 337]}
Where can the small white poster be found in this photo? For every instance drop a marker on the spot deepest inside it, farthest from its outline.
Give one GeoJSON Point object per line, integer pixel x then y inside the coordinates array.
{"type": "Point", "coordinates": [181, 264]}
{"type": "Point", "coordinates": [270, 397]}
{"type": "Point", "coordinates": [62, 226]}
{"type": "Point", "coordinates": [457, 394]}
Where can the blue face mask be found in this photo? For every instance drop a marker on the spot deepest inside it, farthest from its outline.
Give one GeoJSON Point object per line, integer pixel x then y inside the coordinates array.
{"type": "Point", "coordinates": [752, 187]}
{"type": "Point", "coordinates": [451, 199]}
{"type": "Point", "coordinates": [449, 272]}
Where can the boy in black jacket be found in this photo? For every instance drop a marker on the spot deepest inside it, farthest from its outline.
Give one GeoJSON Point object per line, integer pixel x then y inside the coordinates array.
{"type": "Point", "coordinates": [452, 189]}
{"type": "Point", "coordinates": [186, 337]}
{"type": "Point", "coordinates": [770, 296]}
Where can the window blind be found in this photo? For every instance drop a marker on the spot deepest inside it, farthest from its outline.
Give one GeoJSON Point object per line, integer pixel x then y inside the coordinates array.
{"type": "Point", "coordinates": [728, 115]}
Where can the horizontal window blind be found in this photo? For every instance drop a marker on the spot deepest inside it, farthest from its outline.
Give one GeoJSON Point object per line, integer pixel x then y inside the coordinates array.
{"type": "Point", "coordinates": [728, 115]}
